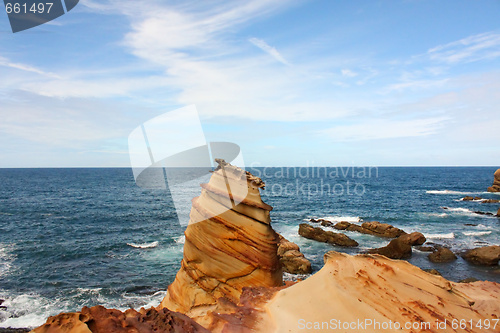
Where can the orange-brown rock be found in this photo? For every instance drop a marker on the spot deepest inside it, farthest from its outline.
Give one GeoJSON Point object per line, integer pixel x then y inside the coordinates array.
{"type": "Point", "coordinates": [487, 255]}
{"type": "Point", "coordinates": [98, 319]}
{"type": "Point", "coordinates": [291, 259]}
{"type": "Point", "coordinates": [442, 254]}
{"type": "Point", "coordinates": [320, 235]}
{"type": "Point", "coordinates": [375, 291]}
{"type": "Point", "coordinates": [496, 183]}
{"type": "Point", "coordinates": [400, 248]}
{"type": "Point", "coordinates": [231, 247]}
{"type": "Point", "coordinates": [371, 228]}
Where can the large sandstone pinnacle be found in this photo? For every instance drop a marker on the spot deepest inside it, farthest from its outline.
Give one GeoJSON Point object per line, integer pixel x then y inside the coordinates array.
{"type": "Point", "coordinates": [496, 183]}
{"type": "Point", "coordinates": [233, 246]}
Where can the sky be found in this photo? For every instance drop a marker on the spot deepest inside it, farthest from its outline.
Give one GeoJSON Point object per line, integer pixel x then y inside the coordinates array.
{"type": "Point", "coordinates": [293, 83]}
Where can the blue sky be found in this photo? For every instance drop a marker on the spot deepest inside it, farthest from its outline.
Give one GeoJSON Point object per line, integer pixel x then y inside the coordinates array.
{"type": "Point", "coordinates": [294, 83]}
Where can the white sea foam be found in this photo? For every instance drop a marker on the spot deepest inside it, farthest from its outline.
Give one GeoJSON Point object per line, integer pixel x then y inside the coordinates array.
{"type": "Point", "coordinates": [450, 192]}
{"type": "Point", "coordinates": [32, 310]}
{"type": "Point", "coordinates": [440, 236]}
{"type": "Point", "coordinates": [6, 259]}
{"type": "Point", "coordinates": [180, 239]}
{"type": "Point", "coordinates": [459, 211]}
{"type": "Point", "coordinates": [351, 219]}
{"type": "Point", "coordinates": [144, 245]}
{"type": "Point", "coordinates": [294, 277]}
{"type": "Point", "coordinates": [437, 214]}
{"type": "Point", "coordinates": [476, 233]}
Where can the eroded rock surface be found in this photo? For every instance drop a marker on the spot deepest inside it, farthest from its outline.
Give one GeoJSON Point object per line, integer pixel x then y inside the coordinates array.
{"type": "Point", "coordinates": [496, 183]}
{"type": "Point", "coordinates": [352, 288]}
{"type": "Point", "coordinates": [225, 252]}
{"type": "Point", "coordinates": [442, 254]}
{"type": "Point", "coordinates": [371, 228]}
{"type": "Point", "coordinates": [487, 255]}
{"type": "Point", "coordinates": [291, 259]}
{"type": "Point", "coordinates": [320, 235]}
{"type": "Point", "coordinates": [400, 248]}
{"type": "Point", "coordinates": [98, 319]}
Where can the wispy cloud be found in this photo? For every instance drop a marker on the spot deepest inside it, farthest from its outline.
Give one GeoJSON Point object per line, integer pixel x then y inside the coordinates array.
{"type": "Point", "coordinates": [469, 49]}
{"type": "Point", "coordinates": [269, 49]}
{"type": "Point", "coordinates": [416, 85]}
{"type": "Point", "coordinates": [376, 129]}
{"type": "Point", "coordinates": [24, 67]}
{"type": "Point", "coordinates": [348, 73]}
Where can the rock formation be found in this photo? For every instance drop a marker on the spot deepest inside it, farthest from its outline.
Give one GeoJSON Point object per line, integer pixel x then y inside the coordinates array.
{"type": "Point", "coordinates": [291, 259]}
{"type": "Point", "coordinates": [469, 198]}
{"type": "Point", "coordinates": [320, 235]}
{"type": "Point", "coordinates": [375, 290]}
{"type": "Point", "coordinates": [413, 239]}
{"type": "Point", "coordinates": [371, 228]}
{"type": "Point", "coordinates": [233, 246]}
{"type": "Point", "coordinates": [400, 248]}
{"type": "Point", "coordinates": [487, 255]}
{"type": "Point", "coordinates": [98, 319]}
{"type": "Point", "coordinates": [442, 254]}
{"type": "Point", "coordinates": [496, 183]}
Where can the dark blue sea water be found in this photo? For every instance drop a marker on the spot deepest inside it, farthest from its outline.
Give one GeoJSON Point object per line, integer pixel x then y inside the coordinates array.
{"type": "Point", "coordinates": [75, 237]}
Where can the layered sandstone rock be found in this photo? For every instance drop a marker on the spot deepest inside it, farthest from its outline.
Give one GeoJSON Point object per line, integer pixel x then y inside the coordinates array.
{"type": "Point", "coordinates": [487, 255]}
{"type": "Point", "coordinates": [371, 228]}
{"type": "Point", "coordinates": [291, 259]}
{"type": "Point", "coordinates": [231, 247]}
{"type": "Point", "coordinates": [496, 183]}
{"type": "Point", "coordinates": [98, 319]}
{"type": "Point", "coordinates": [374, 290]}
{"type": "Point", "coordinates": [320, 235]}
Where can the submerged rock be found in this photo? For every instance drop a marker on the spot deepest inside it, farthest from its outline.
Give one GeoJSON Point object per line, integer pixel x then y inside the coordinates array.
{"type": "Point", "coordinates": [291, 259]}
{"type": "Point", "coordinates": [98, 319]}
{"type": "Point", "coordinates": [469, 198]}
{"type": "Point", "coordinates": [432, 271]}
{"type": "Point", "coordinates": [496, 183]}
{"type": "Point", "coordinates": [468, 280]}
{"type": "Point", "coordinates": [232, 247]}
{"type": "Point", "coordinates": [371, 228]}
{"type": "Point", "coordinates": [442, 254]}
{"type": "Point", "coordinates": [487, 255]}
{"type": "Point", "coordinates": [320, 235]}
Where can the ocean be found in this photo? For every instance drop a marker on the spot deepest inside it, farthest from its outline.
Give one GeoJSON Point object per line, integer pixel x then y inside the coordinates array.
{"type": "Point", "coordinates": [80, 237]}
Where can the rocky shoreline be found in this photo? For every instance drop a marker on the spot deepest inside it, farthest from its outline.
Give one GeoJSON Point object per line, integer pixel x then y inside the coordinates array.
{"type": "Point", "coordinates": [231, 276]}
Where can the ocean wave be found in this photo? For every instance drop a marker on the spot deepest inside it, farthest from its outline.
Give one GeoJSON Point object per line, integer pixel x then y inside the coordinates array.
{"type": "Point", "coordinates": [460, 211]}
{"type": "Point", "coordinates": [450, 192]}
{"type": "Point", "coordinates": [180, 239]}
{"type": "Point", "coordinates": [6, 259]}
{"type": "Point", "coordinates": [436, 214]}
{"type": "Point", "coordinates": [476, 233]}
{"type": "Point", "coordinates": [351, 219]}
{"type": "Point", "coordinates": [144, 245]}
{"type": "Point", "coordinates": [32, 310]}
{"type": "Point", "coordinates": [440, 236]}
